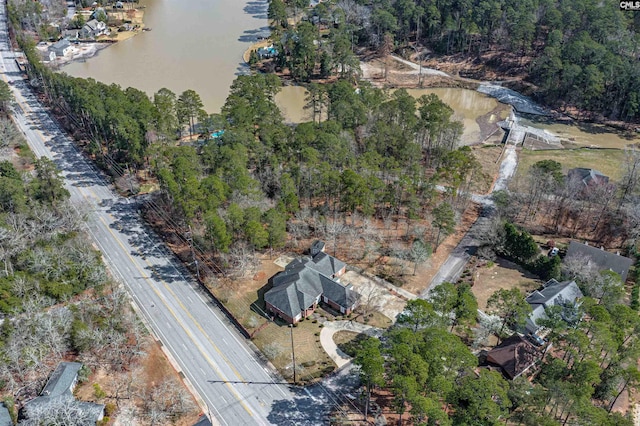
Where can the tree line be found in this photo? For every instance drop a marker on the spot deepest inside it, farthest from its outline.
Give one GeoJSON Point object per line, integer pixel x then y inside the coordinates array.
{"type": "Point", "coordinates": [579, 55]}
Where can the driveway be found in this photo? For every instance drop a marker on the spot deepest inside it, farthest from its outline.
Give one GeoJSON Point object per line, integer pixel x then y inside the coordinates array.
{"type": "Point", "coordinates": [331, 327]}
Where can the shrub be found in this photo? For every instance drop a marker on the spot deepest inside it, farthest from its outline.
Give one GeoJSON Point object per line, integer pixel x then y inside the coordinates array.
{"type": "Point", "coordinates": [98, 392]}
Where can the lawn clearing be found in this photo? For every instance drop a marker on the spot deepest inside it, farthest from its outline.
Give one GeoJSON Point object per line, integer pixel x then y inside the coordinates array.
{"type": "Point", "coordinates": [503, 274]}
{"type": "Point", "coordinates": [607, 161]}
{"type": "Point", "coordinates": [311, 360]}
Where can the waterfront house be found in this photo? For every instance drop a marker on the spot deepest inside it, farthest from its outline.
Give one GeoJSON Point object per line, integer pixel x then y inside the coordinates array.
{"type": "Point", "coordinates": [307, 281]}
{"type": "Point", "coordinates": [61, 48]}
{"type": "Point", "coordinates": [93, 29]}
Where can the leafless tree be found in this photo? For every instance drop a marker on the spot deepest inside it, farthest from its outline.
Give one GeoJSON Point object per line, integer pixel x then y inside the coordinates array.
{"type": "Point", "coordinates": [369, 300]}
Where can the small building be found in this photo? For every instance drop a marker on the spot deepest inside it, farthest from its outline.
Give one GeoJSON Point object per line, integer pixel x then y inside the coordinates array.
{"type": "Point", "coordinates": [5, 416]}
{"type": "Point", "coordinates": [61, 48]}
{"type": "Point", "coordinates": [587, 177]}
{"type": "Point", "coordinates": [58, 394]}
{"type": "Point", "coordinates": [601, 259]}
{"type": "Point", "coordinates": [565, 294]}
{"type": "Point", "coordinates": [514, 356]}
{"type": "Point", "coordinates": [267, 52]}
{"type": "Point", "coordinates": [71, 34]}
{"type": "Point", "coordinates": [298, 290]}
{"type": "Point", "coordinates": [93, 29]}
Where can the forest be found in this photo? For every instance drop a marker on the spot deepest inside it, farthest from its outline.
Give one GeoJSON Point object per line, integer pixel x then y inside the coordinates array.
{"type": "Point", "coordinates": [379, 155]}
{"type": "Point", "coordinates": [433, 376]}
{"type": "Point", "coordinates": [578, 55]}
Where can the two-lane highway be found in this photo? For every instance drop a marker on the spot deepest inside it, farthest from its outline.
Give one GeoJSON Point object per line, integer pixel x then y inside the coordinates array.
{"type": "Point", "coordinates": [237, 388]}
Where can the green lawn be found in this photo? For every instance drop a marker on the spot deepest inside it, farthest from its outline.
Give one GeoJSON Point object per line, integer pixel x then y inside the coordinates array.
{"type": "Point", "coordinates": [607, 161]}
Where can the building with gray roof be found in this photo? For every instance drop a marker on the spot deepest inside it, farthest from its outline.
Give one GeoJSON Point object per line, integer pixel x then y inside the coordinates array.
{"type": "Point", "coordinates": [305, 282]}
{"type": "Point", "coordinates": [565, 294]}
{"type": "Point", "coordinates": [601, 259]}
{"type": "Point", "coordinates": [57, 398]}
{"type": "Point", "coordinates": [5, 416]}
{"type": "Point", "coordinates": [588, 177]}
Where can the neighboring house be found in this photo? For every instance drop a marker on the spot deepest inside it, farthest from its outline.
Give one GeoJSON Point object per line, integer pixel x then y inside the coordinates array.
{"type": "Point", "coordinates": [61, 48]}
{"type": "Point", "coordinates": [602, 260]}
{"type": "Point", "coordinates": [59, 392]}
{"type": "Point", "coordinates": [73, 34]}
{"type": "Point", "coordinates": [305, 282]}
{"type": "Point", "coordinates": [267, 52]}
{"type": "Point", "coordinates": [554, 293]}
{"type": "Point", "coordinates": [514, 356]}
{"type": "Point", "coordinates": [5, 416]}
{"type": "Point", "coordinates": [93, 29]}
{"type": "Point", "coordinates": [588, 177]}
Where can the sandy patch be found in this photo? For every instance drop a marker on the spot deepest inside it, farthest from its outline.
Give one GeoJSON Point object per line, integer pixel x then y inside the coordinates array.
{"type": "Point", "coordinates": [378, 297]}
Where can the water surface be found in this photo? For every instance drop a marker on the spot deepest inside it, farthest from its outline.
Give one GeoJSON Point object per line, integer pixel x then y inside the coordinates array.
{"type": "Point", "coordinates": [194, 44]}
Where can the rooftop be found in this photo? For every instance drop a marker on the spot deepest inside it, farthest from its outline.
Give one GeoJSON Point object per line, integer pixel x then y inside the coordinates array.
{"type": "Point", "coordinates": [602, 259]}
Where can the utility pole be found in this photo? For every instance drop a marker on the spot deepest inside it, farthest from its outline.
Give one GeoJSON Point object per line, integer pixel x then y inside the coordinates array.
{"type": "Point", "coordinates": [293, 354]}
{"type": "Point", "coordinates": [193, 253]}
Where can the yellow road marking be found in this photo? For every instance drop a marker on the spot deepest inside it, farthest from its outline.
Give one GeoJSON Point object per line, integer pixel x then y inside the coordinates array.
{"type": "Point", "coordinates": [222, 376]}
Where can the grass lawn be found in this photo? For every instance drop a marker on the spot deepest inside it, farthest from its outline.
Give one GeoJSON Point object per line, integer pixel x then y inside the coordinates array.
{"type": "Point", "coordinates": [311, 360]}
{"type": "Point", "coordinates": [503, 274]}
{"type": "Point", "coordinates": [607, 161]}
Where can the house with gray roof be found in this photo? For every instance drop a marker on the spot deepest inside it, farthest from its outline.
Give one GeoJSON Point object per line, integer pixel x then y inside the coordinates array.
{"type": "Point", "coordinates": [601, 259]}
{"type": "Point", "coordinates": [588, 177]}
{"type": "Point", "coordinates": [57, 396]}
{"type": "Point", "coordinates": [565, 294]}
{"type": "Point", "coordinates": [5, 416]}
{"type": "Point", "coordinates": [304, 283]}
{"type": "Point", "coordinates": [61, 48]}
{"type": "Point", "coordinates": [93, 29]}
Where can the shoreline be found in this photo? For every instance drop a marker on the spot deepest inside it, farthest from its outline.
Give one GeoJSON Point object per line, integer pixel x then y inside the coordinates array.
{"type": "Point", "coordinates": [89, 49]}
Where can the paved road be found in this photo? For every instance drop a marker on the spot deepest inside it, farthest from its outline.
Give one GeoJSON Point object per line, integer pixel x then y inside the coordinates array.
{"type": "Point", "coordinates": [453, 267]}
{"type": "Point", "coordinates": [237, 388]}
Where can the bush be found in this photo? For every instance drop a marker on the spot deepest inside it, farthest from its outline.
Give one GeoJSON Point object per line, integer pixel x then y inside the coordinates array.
{"type": "Point", "coordinates": [307, 364]}
{"type": "Point", "coordinates": [98, 392]}
{"type": "Point", "coordinates": [110, 409]}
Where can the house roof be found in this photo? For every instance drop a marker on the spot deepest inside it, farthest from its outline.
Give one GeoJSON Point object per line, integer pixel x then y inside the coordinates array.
{"type": "Point", "coordinates": [60, 44]}
{"type": "Point", "coordinates": [340, 294]}
{"type": "Point", "coordinates": [603, 260]}
{"type": "Point", "coordinates": [303, 281]}
{"type": "Point", "coordinates": [5, 416]}
{"type": "Point", "coordinates": [62, 379]}
{"type": "Point", "coordinates": [93, 25]}
{"type": "Point", "coordinates": [326, 264]}
{"type": "Point", "coordinates": [587, 176]}
{"type": "Point", "coordinates": [203, 421]}
{"type": "Point", "coordinates": [58, 390]}
{"type": "Point", "coordinates": [554, 293]}
{"type": "Point", "coordinates": [515, 356]}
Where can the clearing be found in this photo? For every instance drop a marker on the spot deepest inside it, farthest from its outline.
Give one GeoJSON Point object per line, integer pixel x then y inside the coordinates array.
{"type": "Point", "coordinates": [607, 161]}
{"type": "Point", "coordinates": [501, 275]}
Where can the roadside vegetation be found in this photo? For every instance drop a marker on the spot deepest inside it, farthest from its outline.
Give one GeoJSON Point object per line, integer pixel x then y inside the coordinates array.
{"type": "Point", "coordinates": [57, 301]}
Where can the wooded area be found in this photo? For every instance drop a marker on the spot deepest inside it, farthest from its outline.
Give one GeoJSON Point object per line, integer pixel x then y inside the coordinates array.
{"type": "Point", "coordinates": [580, 55]}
